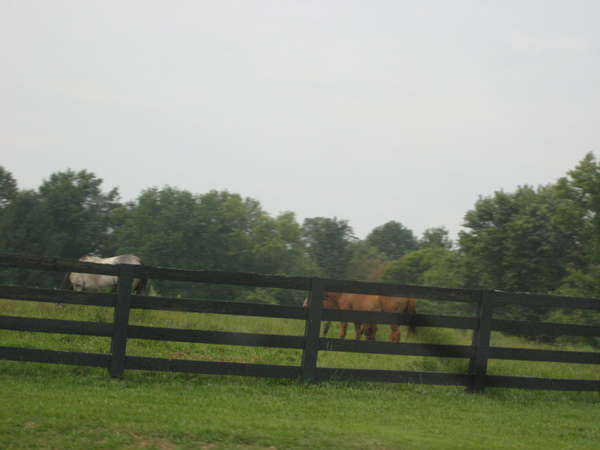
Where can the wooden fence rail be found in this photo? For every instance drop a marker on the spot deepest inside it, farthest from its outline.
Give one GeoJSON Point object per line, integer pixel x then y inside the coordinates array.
{"type": "Point", "coordinates": [117, 361]}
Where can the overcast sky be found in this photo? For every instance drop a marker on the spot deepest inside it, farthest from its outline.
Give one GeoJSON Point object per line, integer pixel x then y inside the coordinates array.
{"type": "Point", "coordinates": [368, 111]}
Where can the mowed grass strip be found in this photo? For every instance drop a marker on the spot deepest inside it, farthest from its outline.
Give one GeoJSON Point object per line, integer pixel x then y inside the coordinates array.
{"type": "Point", "coordinates": [48, 406]}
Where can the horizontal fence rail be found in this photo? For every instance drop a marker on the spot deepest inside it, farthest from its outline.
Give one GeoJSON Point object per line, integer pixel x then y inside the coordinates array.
{"type": "Point", "coordinates": [310, 344]}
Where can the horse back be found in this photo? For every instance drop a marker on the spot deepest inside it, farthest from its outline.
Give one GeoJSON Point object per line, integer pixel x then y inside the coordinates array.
{"type": "Point", "coordinates": [363, 302]}
{"type": "Point", "coordinates": [360, 302]}
{"type": "Point", "coordinates": [398, 304]}
{"type": "Point", "coordinates": [124, 259]}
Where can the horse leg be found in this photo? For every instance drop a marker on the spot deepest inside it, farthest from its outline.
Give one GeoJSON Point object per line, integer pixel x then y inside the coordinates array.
{"type": "Point", "coordinates": [326, 328]}
{"type": "Point", "coordinates": [395, 334]}
{"type": "Point", "coordinates": [343, 327]}
{"type": "Point", "coordinates": [358, 328]}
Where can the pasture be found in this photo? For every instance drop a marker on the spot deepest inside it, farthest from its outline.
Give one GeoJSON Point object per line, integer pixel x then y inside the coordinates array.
{"type": "Point", "coordinates": [167, 397]}
{"type": "Point", "coordinates": [57, 406]}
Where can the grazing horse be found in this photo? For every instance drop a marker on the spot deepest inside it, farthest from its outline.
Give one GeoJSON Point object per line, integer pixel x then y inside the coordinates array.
{"type": "Point", "coordinates": [95, 282]}
{"type": "Point", "coordinates": [361, 302]}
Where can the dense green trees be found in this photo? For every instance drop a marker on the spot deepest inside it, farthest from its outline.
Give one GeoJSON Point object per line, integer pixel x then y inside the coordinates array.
{"type": "Point", "coordinates": [579, 192]}
{"type": "Point", "coordinates": [544, 239]}
{"type": "Point", "coordinates": [8, 187]}
{"type": "Point", "coordinates": [537, 240]}
{"type": "Point", "coordinates": [428, 266]}
{"type": "Point", "coordinates": [515, 241]}
{"type": "Point", "coordinates": [80, 214]}
{"type": "Point", "coordinates": [393, 240]}
{"type": "Point", "coordinates": [328, 244]}
{"type": "Point", "coordinates": [215, 231]}
{"type": "Point", "coordinates": [67, 216]}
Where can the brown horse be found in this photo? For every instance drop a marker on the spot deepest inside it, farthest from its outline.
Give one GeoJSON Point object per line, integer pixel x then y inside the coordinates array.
{"type": "Point", "coordinates": [361, 302]}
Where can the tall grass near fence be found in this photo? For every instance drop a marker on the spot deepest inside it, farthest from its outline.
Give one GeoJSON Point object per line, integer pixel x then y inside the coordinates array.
{"type": "Point", "coordinates": [277, 356]}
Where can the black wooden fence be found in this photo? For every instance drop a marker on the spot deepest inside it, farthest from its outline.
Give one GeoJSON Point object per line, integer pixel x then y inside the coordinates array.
{"type": "Point", "coordinates": [475, 379]}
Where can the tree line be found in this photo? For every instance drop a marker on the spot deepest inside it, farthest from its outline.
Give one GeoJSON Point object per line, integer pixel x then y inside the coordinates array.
{"type": "Point", "coordinates": [543, 239]}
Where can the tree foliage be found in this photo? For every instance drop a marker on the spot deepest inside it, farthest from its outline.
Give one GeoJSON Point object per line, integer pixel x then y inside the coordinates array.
{"type": "Point", "coordinates": [544, 239]}
{"type": "Point", "coordinates": [328, 245]}
{"type": "Point", "coordinates": [215, 231]}
{"type": "Point", "coordinates": [580, 193]}
{"type": "Point", "coordinates": [430, 266]}
{"type": "Point", "coordinates": [516, 242]}
{"type": "Point", "coordinates": [79, 212]}
{"type": "Point", "coordinates": [436, 237]}
{"type": "Point", "coordinates": [393, 240]}
{"type": "Point", "coordinates": [8, 187]}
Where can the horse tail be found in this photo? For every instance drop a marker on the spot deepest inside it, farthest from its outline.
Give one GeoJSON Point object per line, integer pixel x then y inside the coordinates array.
{"type": "Point", "coordinates": [411, 308]}
{"type": "Point", "coordinates": [66, 282]}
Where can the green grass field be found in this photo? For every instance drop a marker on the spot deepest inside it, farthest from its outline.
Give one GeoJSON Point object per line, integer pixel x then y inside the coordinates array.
{"type": "Point", "coordinates": [53, 406]}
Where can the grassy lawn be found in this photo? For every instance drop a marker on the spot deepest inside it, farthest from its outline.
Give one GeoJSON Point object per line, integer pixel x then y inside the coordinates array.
{"type": "Point", "coordinates": [66, 407]}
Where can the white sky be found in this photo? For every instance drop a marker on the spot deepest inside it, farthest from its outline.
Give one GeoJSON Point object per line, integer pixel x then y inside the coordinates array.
{"type": "Point", "coordinates": [367, 111]}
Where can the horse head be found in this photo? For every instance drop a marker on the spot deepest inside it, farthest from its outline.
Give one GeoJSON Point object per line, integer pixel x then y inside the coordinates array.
{"type": "Point", "coordinates": [66, 282]}
{"type": "Point", "coordinates": [369, 330]}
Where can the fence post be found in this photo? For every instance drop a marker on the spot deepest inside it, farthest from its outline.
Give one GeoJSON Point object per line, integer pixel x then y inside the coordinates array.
{"type": "Point", "coordinates": [121, 321]}
{"type": "Point", "coordinates": [313, 329]}
{"type": "Point", "coordinates": [481, 343]}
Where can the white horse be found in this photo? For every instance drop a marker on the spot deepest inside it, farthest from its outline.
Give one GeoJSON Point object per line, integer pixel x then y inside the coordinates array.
{"type": "Point", "coordinates": [95, 282]}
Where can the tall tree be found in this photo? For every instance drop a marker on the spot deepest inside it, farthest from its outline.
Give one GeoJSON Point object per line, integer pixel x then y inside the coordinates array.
{"type": "Point", "coordinates": [278, 247]}
{"type": "Point", "coordinates": [328, 244]}
{"type": "Point", "coordinates": [436, 237]}
{"type": "Point", "coordinates": [227, 222]}
{"type": "Point", "coordinates": [24, 225]}
{"type": "Point", "coordinates": [393, 240]}
{"type": "Point", "coordinates": [80, 213]}
{"type": "Point", "coordinates": [8, 187]}
{"type": "Point", "coordinates": [25, 228]}
{"type": "Point", "coordinates": [580, 191]}
{"type": "Point", "coordinates": [514, 243]}
{"type": "Point", "coordinates": [160, 228]}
